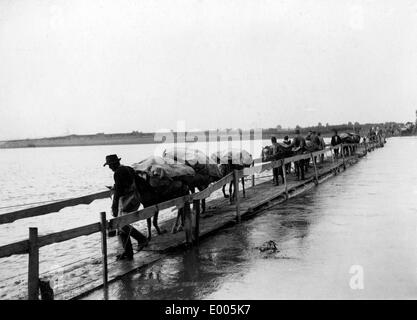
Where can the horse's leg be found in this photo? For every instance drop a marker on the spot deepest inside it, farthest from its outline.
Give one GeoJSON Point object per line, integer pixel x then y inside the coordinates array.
{"type": "Point", "coordinates": [243, 187]}
{"type": "Point", "coordinates": [224, 192]}
{"type": "Point", "coordinates": [175, 226]}
{"type": "Point", "coordinates": [182, 218]}
{"type": "Point", "coordinates": [279, 174]}
{"type": "Point", "coordinates": [155, 224]}
{"type": "Point", "coordinates": [149, 221]}
{"type": "Point", "coordinates": [203, 206]}
{"type": "Point", "coordinates": [231, 193]}
{"type": "Point", "coordinates": [179, 222]}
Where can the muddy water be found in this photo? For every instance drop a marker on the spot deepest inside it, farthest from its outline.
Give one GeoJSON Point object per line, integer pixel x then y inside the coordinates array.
{"type": "Point", "coordinates": [353, 237]}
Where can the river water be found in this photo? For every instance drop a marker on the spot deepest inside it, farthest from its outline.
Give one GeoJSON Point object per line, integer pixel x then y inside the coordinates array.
{"type": "Point", "coordinates": [32, 176]}
{"type": "Point", "coordinates": [353, 237]}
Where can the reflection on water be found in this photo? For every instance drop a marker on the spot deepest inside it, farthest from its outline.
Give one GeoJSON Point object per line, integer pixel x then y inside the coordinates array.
{"type": "Point", "coordinates": [364, 217]}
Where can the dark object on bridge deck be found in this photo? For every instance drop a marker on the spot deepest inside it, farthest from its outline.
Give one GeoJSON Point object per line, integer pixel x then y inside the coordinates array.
{"type": "Point", "coordinates": [269, 246]}
{"type": "Point", "coordinates": [47, 293]}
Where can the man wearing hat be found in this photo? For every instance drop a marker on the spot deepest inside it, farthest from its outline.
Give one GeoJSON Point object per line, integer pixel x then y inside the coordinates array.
{"type": "Point", "coordinates": [125, 199]}
{"type": "Point", "coordinates": [336, 140]}
{"type": "Point", "coordinates": [298, 144]}
{"type": "Point", "coordinates": [287, 142]}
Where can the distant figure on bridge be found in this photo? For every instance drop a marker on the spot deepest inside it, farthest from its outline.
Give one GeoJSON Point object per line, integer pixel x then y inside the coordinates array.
{"type": "Point", "coordinates": [125, 199]}
{"type": "Point", "coordinates": [372, 134]}
{"type": "Point", "coordinates": [336, 140]}
{"type": "Point", "coordinates": [298, 144]}
{"type": "Point", "coordinates": [322, 146]}
{"type": "Point", "coordinates": [275, 171]}
{"type": "Point", "coordinates": [287, 142]}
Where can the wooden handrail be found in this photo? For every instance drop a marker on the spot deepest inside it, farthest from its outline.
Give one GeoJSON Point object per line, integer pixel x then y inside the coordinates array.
{"type": "Point", "coordinates": [146, 213]}
{"type": "Point", "coordinates": [68, 234]}
{"type": "Point", "coordinates": [213, 187]}
{"type": "Point", "coordinates": [52, 207]}
{"type": "Point", "coordinates": [19, 247]}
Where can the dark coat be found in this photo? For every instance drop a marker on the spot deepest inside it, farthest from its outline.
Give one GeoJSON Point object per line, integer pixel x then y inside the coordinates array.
{"type": "Point", "coordinates": [335, 140]}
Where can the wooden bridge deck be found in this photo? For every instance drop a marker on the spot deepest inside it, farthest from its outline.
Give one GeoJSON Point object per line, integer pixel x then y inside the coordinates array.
{"type": "Point", "coordinates": [220, 213]}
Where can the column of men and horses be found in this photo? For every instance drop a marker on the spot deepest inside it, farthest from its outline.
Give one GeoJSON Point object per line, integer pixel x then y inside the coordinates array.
{"type": "Point", "coordinates": [179, 172]}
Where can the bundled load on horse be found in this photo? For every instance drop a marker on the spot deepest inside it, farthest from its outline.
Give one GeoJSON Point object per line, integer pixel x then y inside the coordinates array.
{"type": "Point", "coordinates": [283, 151]}
{"type": "Point", "coordinates": [161, 171]}
{"type": "Point", "coordinates": [311, 146]}
{"type": "Point", "coordinates": [194, 158]}
{"type": "Point", "coordinates": [238, 157]}
{"type": "Point", "coordinates": [229, 160]}
{"type": "Point", "coordinates": [206, 170]}
{"type": "Point", "coordinates": [350, 137]}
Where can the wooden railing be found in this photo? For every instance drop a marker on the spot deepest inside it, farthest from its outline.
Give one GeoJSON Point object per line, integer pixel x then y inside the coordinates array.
{"type": "Point", "coordinates": [52, 207]}
{"type": "Point", "coordinates": [34, 242]}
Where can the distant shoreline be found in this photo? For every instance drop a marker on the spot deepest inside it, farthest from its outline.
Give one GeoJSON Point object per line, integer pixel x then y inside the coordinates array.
{"type": "Point", "coordinates": [136, 137]}
{"type": "Point", "coordinates": [48, 144]}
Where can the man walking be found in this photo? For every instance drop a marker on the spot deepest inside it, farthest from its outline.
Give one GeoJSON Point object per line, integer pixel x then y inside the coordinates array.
{"type": "Point", "coordinates": [336, 140]}
{"type": "Point", "coordinates": [125, 199]}
{"type": "Point", "coordinates": [275, 171]}
{"type": "Point", "coordinates": [287, 142]}
{"type": "Point", "coordinates": [298, 143]}
{"type": "Point", "coordinates": [322, 146]}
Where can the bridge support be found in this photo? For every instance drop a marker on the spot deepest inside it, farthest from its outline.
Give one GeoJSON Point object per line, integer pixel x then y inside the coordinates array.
{"type": "Point", "coordinates": [33, 273]}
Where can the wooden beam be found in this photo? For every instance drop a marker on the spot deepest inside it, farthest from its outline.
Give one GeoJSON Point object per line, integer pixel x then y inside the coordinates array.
{"type": "Point", "coordinates": [52, 207]}
{"type": "Point", "coordinates": [237, 199]}
{"type": "Point", "coordinates": [188, 223]}
{"type": "Point", "coordinates": [103, 226]}
{"type": "Point", "coordinates": [69, 234]}
{"type": "Point", "coordinates": [196, 207]}
{"type": "Point", "coordinates": [213, 187]}
{"type": "Point", "coordinates": [121, 221]}
{"type": "Point", "coordinates": [33, 268]}
{"type": "Point", "coordinates": [315, 168]}
{"type": "Point", "coordinates": [284, 175]}
{"type": "Point", "coordinates": [146, 213]}
{"type": "Point", "coordinates": [20, 247]}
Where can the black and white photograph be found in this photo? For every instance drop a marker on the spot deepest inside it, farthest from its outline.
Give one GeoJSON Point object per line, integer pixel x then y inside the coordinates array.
{"type": "Point", "coordinates": [199, 151]}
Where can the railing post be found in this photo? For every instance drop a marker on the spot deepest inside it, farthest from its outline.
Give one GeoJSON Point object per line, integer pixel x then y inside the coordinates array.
{"type": "Point", "coordinates": [103, 223]}
{"type": "Point", "coordinates": [33, 273]}
{"type": "Point", "coordinates": [343, 156]}
{"type": "Point", "coordinates": [196, 206]}
{"type": "Point", "coordinates": [237, 200]}
{"type": "Point", "coordinates": [188, 223]}
{"type": "Point", "coordinates": [315, 168]}
{"type": "Point", "coordinates": [284, 175]}
{"type": "Point", "coordinates": [253, 175]}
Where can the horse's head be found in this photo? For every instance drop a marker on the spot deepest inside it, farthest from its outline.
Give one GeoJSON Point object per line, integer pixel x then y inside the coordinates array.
{"type": "Point", "coordinates": [266, 153]}
{"type": "Point", "coordinates": [224, 169]}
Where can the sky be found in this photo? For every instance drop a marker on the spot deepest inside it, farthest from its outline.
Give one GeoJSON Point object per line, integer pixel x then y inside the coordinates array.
{"type": "Point", "coordinates": [83, 66]}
